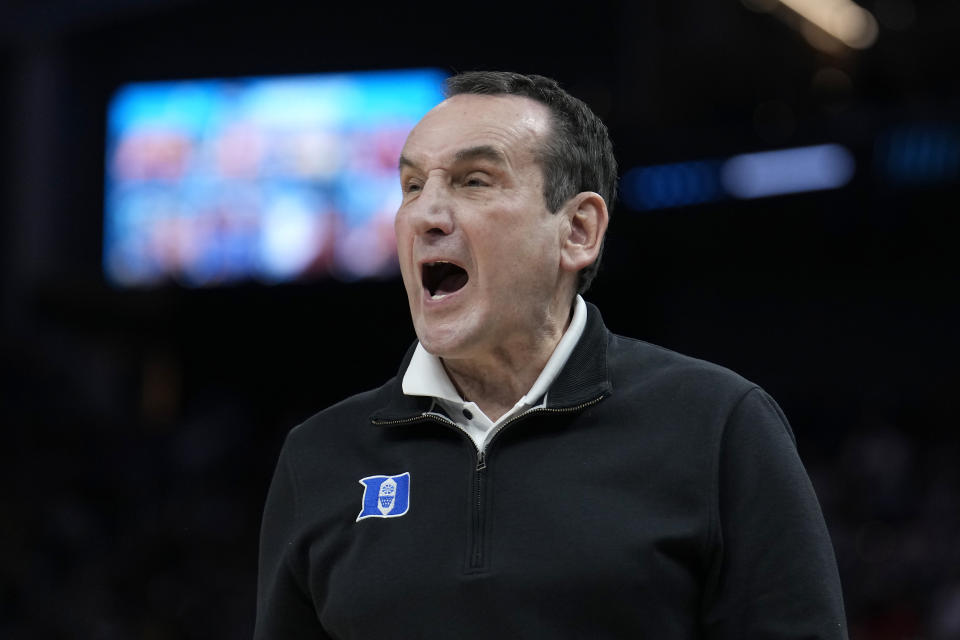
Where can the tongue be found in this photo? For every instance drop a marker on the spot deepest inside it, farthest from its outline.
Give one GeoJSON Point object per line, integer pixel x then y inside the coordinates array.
{"type": "Point", "coordinates": [451, 281]}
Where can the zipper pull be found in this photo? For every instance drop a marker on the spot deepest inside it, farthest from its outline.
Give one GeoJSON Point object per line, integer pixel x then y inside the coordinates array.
{"type": "Point", "coordinates": [481, 461]}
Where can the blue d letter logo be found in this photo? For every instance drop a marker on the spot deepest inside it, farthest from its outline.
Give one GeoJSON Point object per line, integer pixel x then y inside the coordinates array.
{"type": "Point", "coordinates": [385, 496]}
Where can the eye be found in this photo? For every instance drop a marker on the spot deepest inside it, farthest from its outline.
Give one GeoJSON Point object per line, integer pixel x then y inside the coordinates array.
{"type": "Point", "coordinates": [476, 180]}
{"type": "Point", "coordinates": [411, 186]}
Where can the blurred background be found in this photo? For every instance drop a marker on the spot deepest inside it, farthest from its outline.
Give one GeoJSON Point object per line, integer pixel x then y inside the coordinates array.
{"type": "Point", "coordinates": [146, 383]}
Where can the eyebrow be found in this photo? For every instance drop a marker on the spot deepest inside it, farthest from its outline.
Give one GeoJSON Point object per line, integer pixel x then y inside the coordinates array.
{"type": "Point", "coordinates": [480, 152]}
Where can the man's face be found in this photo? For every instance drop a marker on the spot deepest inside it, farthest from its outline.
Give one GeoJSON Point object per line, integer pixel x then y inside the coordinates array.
{"type": "Point", "coordinates": [479, 250]}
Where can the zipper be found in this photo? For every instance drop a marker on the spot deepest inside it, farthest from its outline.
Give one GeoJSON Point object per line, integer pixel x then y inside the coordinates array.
{"type": "Point", "coordinates": [476, 562]}
{"type": "Point", "coordinates": [475, 537]}
{"type": "Point", "coordinates": [477, 518]}
{"type": "Point", "coordinates": [497, 429]}
{"type": "Point", "coordinates": [478, 559]}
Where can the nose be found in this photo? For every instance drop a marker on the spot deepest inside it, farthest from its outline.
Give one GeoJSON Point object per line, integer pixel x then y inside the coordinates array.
{"type": "Point", "coordinates": [432, 212]}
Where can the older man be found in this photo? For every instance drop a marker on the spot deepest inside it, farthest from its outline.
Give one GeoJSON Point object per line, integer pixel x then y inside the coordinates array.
{"type": "Point", "coordinates": [528, 474]}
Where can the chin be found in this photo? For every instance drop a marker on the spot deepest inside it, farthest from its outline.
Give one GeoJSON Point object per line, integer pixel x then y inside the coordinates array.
{"type": "Point", "coordinates": [439, 345]}
{"type": "Point", "coordinates": [442, 341]}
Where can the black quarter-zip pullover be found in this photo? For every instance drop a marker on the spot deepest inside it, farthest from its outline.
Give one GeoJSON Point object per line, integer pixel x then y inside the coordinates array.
{"type": "Point", "coordinates": [654, 496]}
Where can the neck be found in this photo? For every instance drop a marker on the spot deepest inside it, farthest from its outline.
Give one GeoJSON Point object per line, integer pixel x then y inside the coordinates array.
{"type": "Point", "coordinates": [498, 378]}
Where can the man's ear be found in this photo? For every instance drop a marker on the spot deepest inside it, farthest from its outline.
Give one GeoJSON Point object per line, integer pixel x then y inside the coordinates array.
{"type": "Point", "coordinates": [583, 236]}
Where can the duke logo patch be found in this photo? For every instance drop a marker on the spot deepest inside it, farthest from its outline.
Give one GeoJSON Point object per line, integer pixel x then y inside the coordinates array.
{"type": "Point", "coordinates": [385, 496]}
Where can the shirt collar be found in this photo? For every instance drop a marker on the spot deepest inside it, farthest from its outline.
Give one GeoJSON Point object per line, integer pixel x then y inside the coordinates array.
{"type": "Point", "coordinates": [425, 376]}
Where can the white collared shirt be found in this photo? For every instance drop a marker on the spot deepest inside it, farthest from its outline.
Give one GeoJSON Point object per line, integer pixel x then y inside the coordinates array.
{"type": "Point", "coordinates": [426, 376]}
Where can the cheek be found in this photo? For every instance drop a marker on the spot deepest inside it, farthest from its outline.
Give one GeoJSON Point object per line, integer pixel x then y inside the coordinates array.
{"type": "Point", "coordinates": [411, 280]}
{"type": "Point", "coordinates": [404, 255]}
{"type": "Point", "coordinates": [404, 237]}
{"type": "Point", "coordinates": [400, 226]}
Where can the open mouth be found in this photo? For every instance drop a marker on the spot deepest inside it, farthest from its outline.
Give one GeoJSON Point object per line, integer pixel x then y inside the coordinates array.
{"type": "Point", "coordinates": [442, 278]}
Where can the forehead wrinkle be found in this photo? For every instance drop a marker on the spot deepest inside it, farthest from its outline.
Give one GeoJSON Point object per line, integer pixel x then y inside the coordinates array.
{"type": "Point", "coordinates": [506, 130]}
{"type": "Point", "coordinates": [487, 152]}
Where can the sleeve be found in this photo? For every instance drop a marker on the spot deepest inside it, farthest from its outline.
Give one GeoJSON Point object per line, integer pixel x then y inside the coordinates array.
{"type": "Point", "coordinates": [773, 571]}
{"type": "Point", "coordinates": [285, 610]}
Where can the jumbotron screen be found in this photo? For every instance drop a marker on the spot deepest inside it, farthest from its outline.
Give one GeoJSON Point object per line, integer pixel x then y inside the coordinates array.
{"type": "Point", "coordinates": [269, 179]}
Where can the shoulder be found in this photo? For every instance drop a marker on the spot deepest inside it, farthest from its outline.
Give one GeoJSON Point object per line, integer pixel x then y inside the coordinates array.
{"type": "Point", "coordinates": [638, 363]}
{"type": "Point", "coordinates": [679, 389]}
{"type": "Point", "coordinates": [343, 419]}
